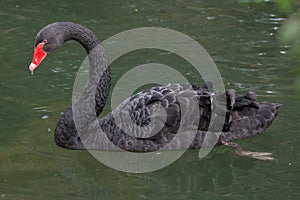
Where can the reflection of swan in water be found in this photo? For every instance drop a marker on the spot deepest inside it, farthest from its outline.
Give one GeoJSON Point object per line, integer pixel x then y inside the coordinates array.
{"type": "Point", "coordinates": [244, 115]}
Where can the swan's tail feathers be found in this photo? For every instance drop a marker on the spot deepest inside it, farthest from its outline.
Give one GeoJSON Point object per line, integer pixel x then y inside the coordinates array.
{"type": "Point", "coordinates": [246, 116]}
{"type": "Point", "coordinates": [252, 121]}
{"type": "Point", "coordinates": [276, 106]}
{"type": "Point", "coordinates": [268, 111]}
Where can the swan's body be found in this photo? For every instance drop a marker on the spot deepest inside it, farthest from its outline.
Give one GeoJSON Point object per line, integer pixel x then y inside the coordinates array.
{"type": "Point", "coordinates": [245, 117]}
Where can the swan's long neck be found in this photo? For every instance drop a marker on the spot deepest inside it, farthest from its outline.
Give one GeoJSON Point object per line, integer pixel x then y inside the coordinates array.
{"type": "Point", "coordinates": [93, 98]}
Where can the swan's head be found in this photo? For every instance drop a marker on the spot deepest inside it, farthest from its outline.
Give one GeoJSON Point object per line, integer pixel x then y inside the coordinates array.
{"type": "Point", "coordinates": [47, 40]}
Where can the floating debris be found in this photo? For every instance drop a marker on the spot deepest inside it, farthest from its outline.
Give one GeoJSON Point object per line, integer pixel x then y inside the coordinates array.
{"type": "Point", "coordinates": [45, 117]}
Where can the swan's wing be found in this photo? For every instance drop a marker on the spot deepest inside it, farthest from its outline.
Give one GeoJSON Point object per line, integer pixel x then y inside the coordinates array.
{"type": "Point", "coordinates": [160, 109]}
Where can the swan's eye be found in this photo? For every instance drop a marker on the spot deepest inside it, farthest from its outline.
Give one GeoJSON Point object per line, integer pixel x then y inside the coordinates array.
{"type": "Point", "coordinates": [45, 41]}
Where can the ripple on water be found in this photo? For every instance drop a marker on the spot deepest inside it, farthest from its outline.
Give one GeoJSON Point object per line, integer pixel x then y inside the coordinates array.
{"type": "Point", "coordinates": [270, 20]}
{"type": "Point", "coordinates": [58, 70]}
{"type": "Point", "coordinates": [43, 111]}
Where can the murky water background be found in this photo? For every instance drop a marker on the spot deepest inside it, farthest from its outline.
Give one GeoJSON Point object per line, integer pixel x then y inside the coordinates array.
{"type": "Point", "coordinates": [241, 38]}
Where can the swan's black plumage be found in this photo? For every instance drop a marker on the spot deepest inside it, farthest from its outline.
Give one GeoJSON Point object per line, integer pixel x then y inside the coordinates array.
{"type": "Point", "coordinates": [245, 116]}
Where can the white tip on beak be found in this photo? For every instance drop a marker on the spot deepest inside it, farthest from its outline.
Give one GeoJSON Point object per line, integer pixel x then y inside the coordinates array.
{"type": "Point", "coordinates": [32, 67]}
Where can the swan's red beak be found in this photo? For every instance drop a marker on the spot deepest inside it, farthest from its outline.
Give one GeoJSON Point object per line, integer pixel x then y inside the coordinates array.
{"type": "Point", "coordinates": [38, 56]}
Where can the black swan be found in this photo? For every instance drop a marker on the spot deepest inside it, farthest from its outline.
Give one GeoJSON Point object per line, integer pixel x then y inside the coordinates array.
{"type": "Point", "coordinates": [244, 116]}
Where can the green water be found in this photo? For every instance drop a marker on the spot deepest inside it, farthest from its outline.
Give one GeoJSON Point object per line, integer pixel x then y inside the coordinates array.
{"type": "Point", "coordinates": [241, 38]}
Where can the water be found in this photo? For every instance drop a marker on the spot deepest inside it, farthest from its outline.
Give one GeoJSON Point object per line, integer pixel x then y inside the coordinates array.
{"type": "Point", "coordinates": [241, 38]}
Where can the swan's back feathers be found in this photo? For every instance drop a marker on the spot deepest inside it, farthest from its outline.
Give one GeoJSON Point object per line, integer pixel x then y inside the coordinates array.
{"type": "Point", "coordinates": [162, 102]}
{"type": "Point", "coordinates": [155, 111]}
{"type": "Point", "coordinates": [155, 115]}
